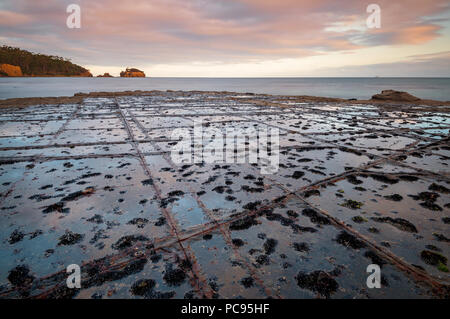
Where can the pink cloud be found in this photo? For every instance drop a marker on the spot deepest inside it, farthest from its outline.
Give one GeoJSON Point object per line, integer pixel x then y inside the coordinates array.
{"type": "Point", "coordinates": [165, 31]}
{"type": "Point", "coordinates": [417, 34]}
{"type": "Point", "coordinates": [9, 18]}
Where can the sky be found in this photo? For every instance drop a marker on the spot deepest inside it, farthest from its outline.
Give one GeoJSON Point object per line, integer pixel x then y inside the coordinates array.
{"type": "Point", "coordinates": [237, 38]}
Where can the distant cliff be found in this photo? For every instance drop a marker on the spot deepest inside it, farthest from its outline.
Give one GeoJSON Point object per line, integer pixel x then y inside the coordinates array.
{"type": "Point", "coordinates": [10, 70]}
{"type": "Point", "coordinates": [34, 64]}
{"type": "Point", "coordinates": [132, 73]}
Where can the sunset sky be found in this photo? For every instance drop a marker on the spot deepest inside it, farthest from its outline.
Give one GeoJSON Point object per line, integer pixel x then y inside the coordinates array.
{"type": "Point", "coordinates": [237, 38]}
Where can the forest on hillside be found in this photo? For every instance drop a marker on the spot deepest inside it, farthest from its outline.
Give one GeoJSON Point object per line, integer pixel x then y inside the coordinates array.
{"type": "Point", "coordinates": [35, 64]}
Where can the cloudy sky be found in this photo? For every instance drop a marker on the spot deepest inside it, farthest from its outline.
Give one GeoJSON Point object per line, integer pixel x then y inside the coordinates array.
{"type": "Point", "coordinates": [237, 38]}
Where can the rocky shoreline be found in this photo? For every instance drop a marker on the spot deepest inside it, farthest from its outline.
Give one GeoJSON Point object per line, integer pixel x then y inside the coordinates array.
{"type": "Point", "coordinates": [386, 99]}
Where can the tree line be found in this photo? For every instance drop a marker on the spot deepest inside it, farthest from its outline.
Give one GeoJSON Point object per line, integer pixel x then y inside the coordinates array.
{"type": "Point", "coordinates": [35, 64]}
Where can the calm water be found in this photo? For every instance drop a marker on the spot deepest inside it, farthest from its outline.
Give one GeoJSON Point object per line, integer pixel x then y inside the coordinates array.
{"type": "Point", "coordinates": [360, 88]}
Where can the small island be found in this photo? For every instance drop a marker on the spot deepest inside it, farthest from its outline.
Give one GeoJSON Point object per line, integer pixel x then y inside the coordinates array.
{"type": "Point", "coordinates": [132, 73]}
{"type": "Point", "coordinates": [105, 75]}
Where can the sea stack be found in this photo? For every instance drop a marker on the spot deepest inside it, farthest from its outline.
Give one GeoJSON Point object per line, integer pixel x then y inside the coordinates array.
{"type": "Point", "coordinates": [132, 73]}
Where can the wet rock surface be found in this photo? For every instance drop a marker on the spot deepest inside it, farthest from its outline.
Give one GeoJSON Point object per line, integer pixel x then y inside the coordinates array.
{"type": "Point", "coordinates": [94, 184]}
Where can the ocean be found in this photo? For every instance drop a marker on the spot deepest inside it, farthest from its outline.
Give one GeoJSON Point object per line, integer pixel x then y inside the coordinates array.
{"type": "Point", "coordinates": [359, 88]}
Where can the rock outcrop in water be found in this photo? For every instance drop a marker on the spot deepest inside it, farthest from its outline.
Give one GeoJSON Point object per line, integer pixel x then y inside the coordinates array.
{"type": "Point", "coordinates": [392, 95]}
{"type": "Point", "coordinates": [132, 73]}
{"type": "Point", "coordinates": [10, 70]}
{"type": "Point", "coordinates": [105, 75]}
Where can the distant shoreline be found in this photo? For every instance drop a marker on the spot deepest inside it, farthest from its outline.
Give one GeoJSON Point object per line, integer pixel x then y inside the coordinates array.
{"type": "Point", "coordinates": [431, 105]}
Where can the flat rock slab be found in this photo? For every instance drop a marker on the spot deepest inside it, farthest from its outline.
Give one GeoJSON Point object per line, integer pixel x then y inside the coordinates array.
{"type": "Point", "coordinates": [94, 184]}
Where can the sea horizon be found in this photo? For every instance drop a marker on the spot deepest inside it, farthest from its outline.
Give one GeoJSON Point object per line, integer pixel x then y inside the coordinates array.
{"type": "Point", "coordinates": [435, 88]}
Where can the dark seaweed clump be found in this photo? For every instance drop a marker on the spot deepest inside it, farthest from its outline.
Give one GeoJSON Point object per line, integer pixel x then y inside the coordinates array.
{"type": "Point", "coordinates": [237, 242]}
{"type": "Point", "coordinates": [97, 276]}
{"type": "Point", "coordinates": [174, 277]}
{"type": "Point", "coordinates": [247, 282]}
{"type": "Point", "coordinates": [292, 214]}
{"type": "Point", "coordinates": [298, 174]}
{"type": "Point", "coordinates": [20, 276]}
{"type": "Point", "coordinates": [439, 188]}
{"type": "Point", "coordinates": [139, 222]}
{"type": "Point", "coordinates": [127, 241]}
{"type": "Point", "coordinates": [252, 205]}
{"type": "Point", "coordinates": [315, 217]}
{"type": "Point", "coordinates": [312, 192]}
{"type": "Point", "coordinates": [394, 197]}
{"type": "Point", "coordinates": [399, 223]}
{"type": "Point", "coordinates": [147, 182]}
{"type": "Point", "coordinates": [432, 258]}
{"type": "Point", "coordinates": [263, 260]}
{"type": "Point", "coordinates": [352, 204]}
{"type": "Point", "coordinates": [142, 287]}
{"type": "Point", "coordinates": [375, 258]}
{"type": "Point", "coordinates": [145, 288]}
{"type": "Point", "coordinates": [440, 237]}
{"type": "Point", "coordinates": [70, 238]}
{"type": "Point", "coordinates": [269, 245]}
{"type": "Point", "coordinates": [301, 247]}
{"type": "Point", "coordinates": [172, 197]}
{"type": "Point", "coordinates": [318, 281]}
{"type": "Point", "coordinates": [98, 219]}
{"type": "Point", "coordinates": [352, 179]}
{"type": "Point", "coordinates": [243, 223]}
{"type": "Point", "coordinates": [359, 219]}
{"type": "Point", "coordinates": [15, 236]}
{"type": "Point", "coordinates": [349, 240]}
{"type": "Point", "coordinates": [429, 199]}
{"type": "Point", "coordinates": [160, 222]}
{"type": "Point", "coordinates": [387, 179]}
